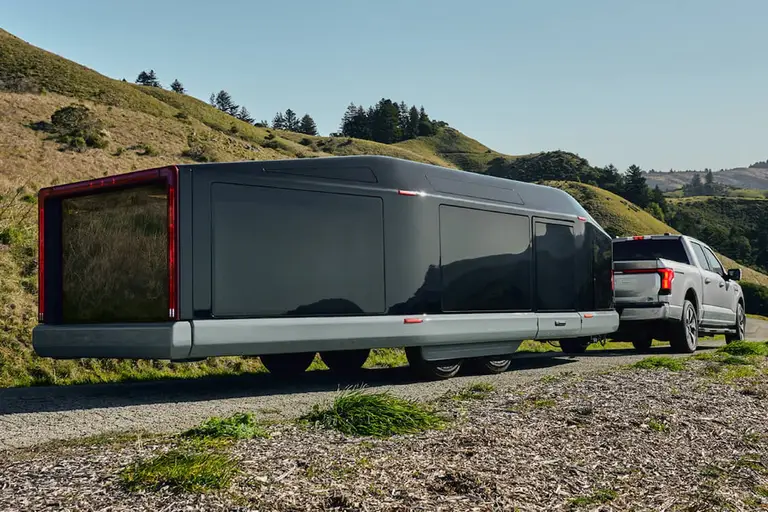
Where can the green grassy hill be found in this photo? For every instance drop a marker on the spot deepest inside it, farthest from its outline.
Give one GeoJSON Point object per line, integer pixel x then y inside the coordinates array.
{"type": "Point", "coordinates": [145, 127]}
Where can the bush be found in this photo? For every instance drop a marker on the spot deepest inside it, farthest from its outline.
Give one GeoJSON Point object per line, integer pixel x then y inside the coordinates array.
{"type": "Point", "coordinates": [756, 298]}
{"type": "Point", "coordinates": [78, 128]}
{"type": "Point", "coordinates": [200, 150]}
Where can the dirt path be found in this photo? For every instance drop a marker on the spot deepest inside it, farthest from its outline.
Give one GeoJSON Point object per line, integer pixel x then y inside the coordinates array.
{"type": "Point", "coordinates": [31, 416]}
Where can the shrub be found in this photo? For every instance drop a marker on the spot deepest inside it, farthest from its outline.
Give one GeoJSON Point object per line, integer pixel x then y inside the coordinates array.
{"type": "Point", "coordinates": [756, 298]}
{"type": "Point", "coordinates": [305, 141]}
{"type": "Point", "coordinates": [77, 127]}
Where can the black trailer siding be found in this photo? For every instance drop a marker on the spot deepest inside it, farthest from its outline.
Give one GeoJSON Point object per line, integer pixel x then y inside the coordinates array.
{"type": "Point", "coordinates": [295, 252]}
{"type": "Point", "coordinates": [462, 243]}
{"type": "Point", "coordinates": [485, 260]}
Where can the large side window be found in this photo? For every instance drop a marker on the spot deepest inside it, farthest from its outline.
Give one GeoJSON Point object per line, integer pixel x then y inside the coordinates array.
{"type": "Point", "coordinates": [714, 264]}
{"type": "Point", "coordinates": [295, 252]}
{"type": "Point", "coordinates": [700, 256]}
{"type": "Point", "coordinates": [555, 245]}
{"type": "Point", "coordinates": [485, 259]}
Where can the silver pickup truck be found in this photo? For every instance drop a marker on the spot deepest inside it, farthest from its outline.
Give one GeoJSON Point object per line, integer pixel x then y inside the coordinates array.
{"type": "Point", "coordinates": [673, 288]}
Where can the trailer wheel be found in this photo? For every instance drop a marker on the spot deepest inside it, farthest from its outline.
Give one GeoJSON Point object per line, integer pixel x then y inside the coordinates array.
{"type": "Point", "coordinates": [345, 361]}
{"type": "Point", "coordinates": [685, 334]}
{"type": "Point", "coordinates": [287, 364]}
{"type": "Point", "coordinates": [642, 344]}
{"type": "Point", "coordinates": [574, 345]}
{"type": "Point", "coordinates": [431, 369]}
{"type": "Point", "coordinates": [489, 365]}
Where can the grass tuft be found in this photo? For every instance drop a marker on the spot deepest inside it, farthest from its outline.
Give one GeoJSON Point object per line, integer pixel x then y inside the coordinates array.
{"type": "Point", "coordinates": [745, 348]}
{"type": "Point", "coordinates": [476, 391]}
{"type": "Point", "coordinates": [374, 414]}
{"type": "Point", "coordinates": [599, 496]}
{"type": "Point", "coordinates": [181, 471]}
{"type": "Point", "coordinates": [237, 426]}
{"type": "Point", "coordinates": [672, 364]}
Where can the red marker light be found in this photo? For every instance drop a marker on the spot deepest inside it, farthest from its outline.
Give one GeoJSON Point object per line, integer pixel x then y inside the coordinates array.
{"type": "Point", "coordinates": [583, 219]}
{"type": "Point", "coordinates": [410, 193]}
{"type": "Point", "coordinates": [412, 320]}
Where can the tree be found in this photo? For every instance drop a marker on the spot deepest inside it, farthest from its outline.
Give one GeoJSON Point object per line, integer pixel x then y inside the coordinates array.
{"type": "Point", "coordinates": [425, 125]}
{"type": "Point", "coordinates": [291, 121]}
{"type": "Point", "coordinates": [708, 177]}
{"type": "Point", "coordinates": [225, 103]}
{"type": "Point", "coordinates": [307, 125]}
{"type": "Point", "coordinates": [244, 115]}
{"type": "Point", "coordinates": [278, 123]}
{"type": "Point", "coordinates": [212, 100]}
{"type": "Point", "coordinates": [148, 79]}
{"type": "Point", "coordinates": [636, 188]}
{"type": "Point", "coordinates": [385, 124]}
{"type": "Point", "coordinates": [177, 86]}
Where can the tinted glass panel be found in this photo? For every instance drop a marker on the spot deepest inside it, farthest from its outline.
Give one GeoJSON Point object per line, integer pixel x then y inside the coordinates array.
{"type": "Point", "coordinates": [700, 256]}
{"type": "Point", "coordinates": [602, 266]}
{"type": "Point", "coordinates": [714, 264]}
{"type": "Point", "coordinates": [294, 252]}
{"type": "Point", "coordinates": [555, 267]}
{"type": "Point", "coordinates": [637, 250]}
{"type": "Point", "coordinates": [115, 256]}
{"type": "Point", "coordinates": [485, 260]}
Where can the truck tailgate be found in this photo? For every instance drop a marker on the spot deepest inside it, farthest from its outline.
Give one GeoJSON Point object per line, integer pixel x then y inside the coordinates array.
{"type": "Point", "coordinates": [638, 282]}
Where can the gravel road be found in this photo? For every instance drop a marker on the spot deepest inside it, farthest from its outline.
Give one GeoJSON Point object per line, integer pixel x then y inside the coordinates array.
{"type": "Point", "coordinates": [32, 416]}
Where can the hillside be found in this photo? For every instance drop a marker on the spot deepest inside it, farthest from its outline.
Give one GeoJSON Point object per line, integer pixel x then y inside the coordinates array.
{"type": "Point", "coordinates": [142, 127]}
{"type": "Point", "coordinates": [622, 218]}
{"type": "Point", "coordinates": [740, 177]}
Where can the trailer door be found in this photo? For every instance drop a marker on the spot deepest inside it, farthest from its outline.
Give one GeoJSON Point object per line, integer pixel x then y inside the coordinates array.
{"type": "Point", "coordinates": [557, 278]}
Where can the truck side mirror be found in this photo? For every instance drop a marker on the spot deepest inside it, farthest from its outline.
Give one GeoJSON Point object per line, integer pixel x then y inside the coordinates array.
{"type": "Point", "coordinates": [734, 274]}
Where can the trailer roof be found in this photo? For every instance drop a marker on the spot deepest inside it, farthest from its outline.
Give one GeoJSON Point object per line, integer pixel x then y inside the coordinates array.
{"type": "Point", "coordinates": [406, 175]}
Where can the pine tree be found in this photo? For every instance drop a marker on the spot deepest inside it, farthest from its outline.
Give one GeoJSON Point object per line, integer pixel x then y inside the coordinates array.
{"type": "Point", "coordinates": [291, 121]}
{"type": "Point", "coordinates": [212, 100]}
{"type": "Point", "coordinates": [148, 79]}
{"type": "Point", "coordinates": [425, 125]}
{"type": "Point", "coordinates": [413, 122]}
{"type": "Point", "coordinates": [385, 124]}
{"type": "Point", "coordinates": [307, 125]}
{"type": "Point", "coordinates": [636, 188]}
{"type": "Point", "coordinates": [177, 86]}
{"type": "Point", "coordinates": [244, 115]}
{"type": "Point", "coordinates": [225, 103]}
{"type": "Point", "coordinates": [278, 123]}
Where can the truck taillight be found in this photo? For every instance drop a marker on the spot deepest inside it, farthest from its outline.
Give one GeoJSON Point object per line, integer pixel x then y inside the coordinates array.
{"type": "Point", "coordinates": [667, 275]}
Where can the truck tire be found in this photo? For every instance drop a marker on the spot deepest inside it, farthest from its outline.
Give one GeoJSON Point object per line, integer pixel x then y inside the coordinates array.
{"type": "Point", "coordinates": [433, 370]}
{"type": "Point", "coordinates": [287, 365]}
{"type": "Point", "coordinates": [345, 361]}
{"type": "Point", "coordinates": [642, 344]}
{"type": "Point", "coordinates": [574, 345]}
{"type": "Point", "coordinates": [685, 333]}
{"type": "Point", "coordinates": [741, 326]}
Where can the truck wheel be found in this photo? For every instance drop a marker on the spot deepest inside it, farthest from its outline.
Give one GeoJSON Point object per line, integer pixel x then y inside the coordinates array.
{"type": "Point", "coordinates": [741, 326]}
{"type": "Point", "coordinates": [287, 364]}
{"type": "Point", "coordinates": [642, 345]}
{"type": "Point", "coordinates": [685, 334]}
{"type": "Point", "coordinates": [489, 365]}
{"type": "Point", "coordinates": [431, 369]}
{"type": "Point", "coordinates": [345, 361]}
{"type": "Point", "coordinates": [574, 345]}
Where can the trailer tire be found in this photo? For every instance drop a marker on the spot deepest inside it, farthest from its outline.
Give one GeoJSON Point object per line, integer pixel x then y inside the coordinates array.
{"type": "Point", "coordinates": [489, 365]}
{"type": "Point", "coordinates": [345, 361]}
{"type": "Point", "coordinates": [642, 344]}
{"type": "Point", "coordinates": [574, 345]}
{"type": "Point", "coordinates": [285, 365]}
{"type": "Point", "coordinates": [433, 370]}
{"type": "Point", "coordinates": [685, 333]}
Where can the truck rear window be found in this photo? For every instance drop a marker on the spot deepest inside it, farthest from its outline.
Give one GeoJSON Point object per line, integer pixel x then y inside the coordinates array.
{"type": "Point", "coordinates": [649, 249]}
{"type": "Point", "coordinates": [115, 256]}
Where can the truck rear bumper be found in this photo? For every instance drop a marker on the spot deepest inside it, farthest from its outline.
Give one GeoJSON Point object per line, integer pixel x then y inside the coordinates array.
{"type": "Point", "coordinates": [648, 312]}
{"type": "Point", "coordinates": [171, 340]}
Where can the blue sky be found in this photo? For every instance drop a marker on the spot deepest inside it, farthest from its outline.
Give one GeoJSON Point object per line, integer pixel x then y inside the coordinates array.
{"type": "Point", "coordinates": [661, 84]}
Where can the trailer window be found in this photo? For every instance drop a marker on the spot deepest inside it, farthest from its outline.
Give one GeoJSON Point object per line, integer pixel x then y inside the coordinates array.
{"type": "Point", "coordinates": [115, 256]}
{"type": "Point", "coordinates": [649, 249]}
{"type": "Point", "coordinates": [485, 260]}
{"type": "Point", "coordinates": [602, 267]}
